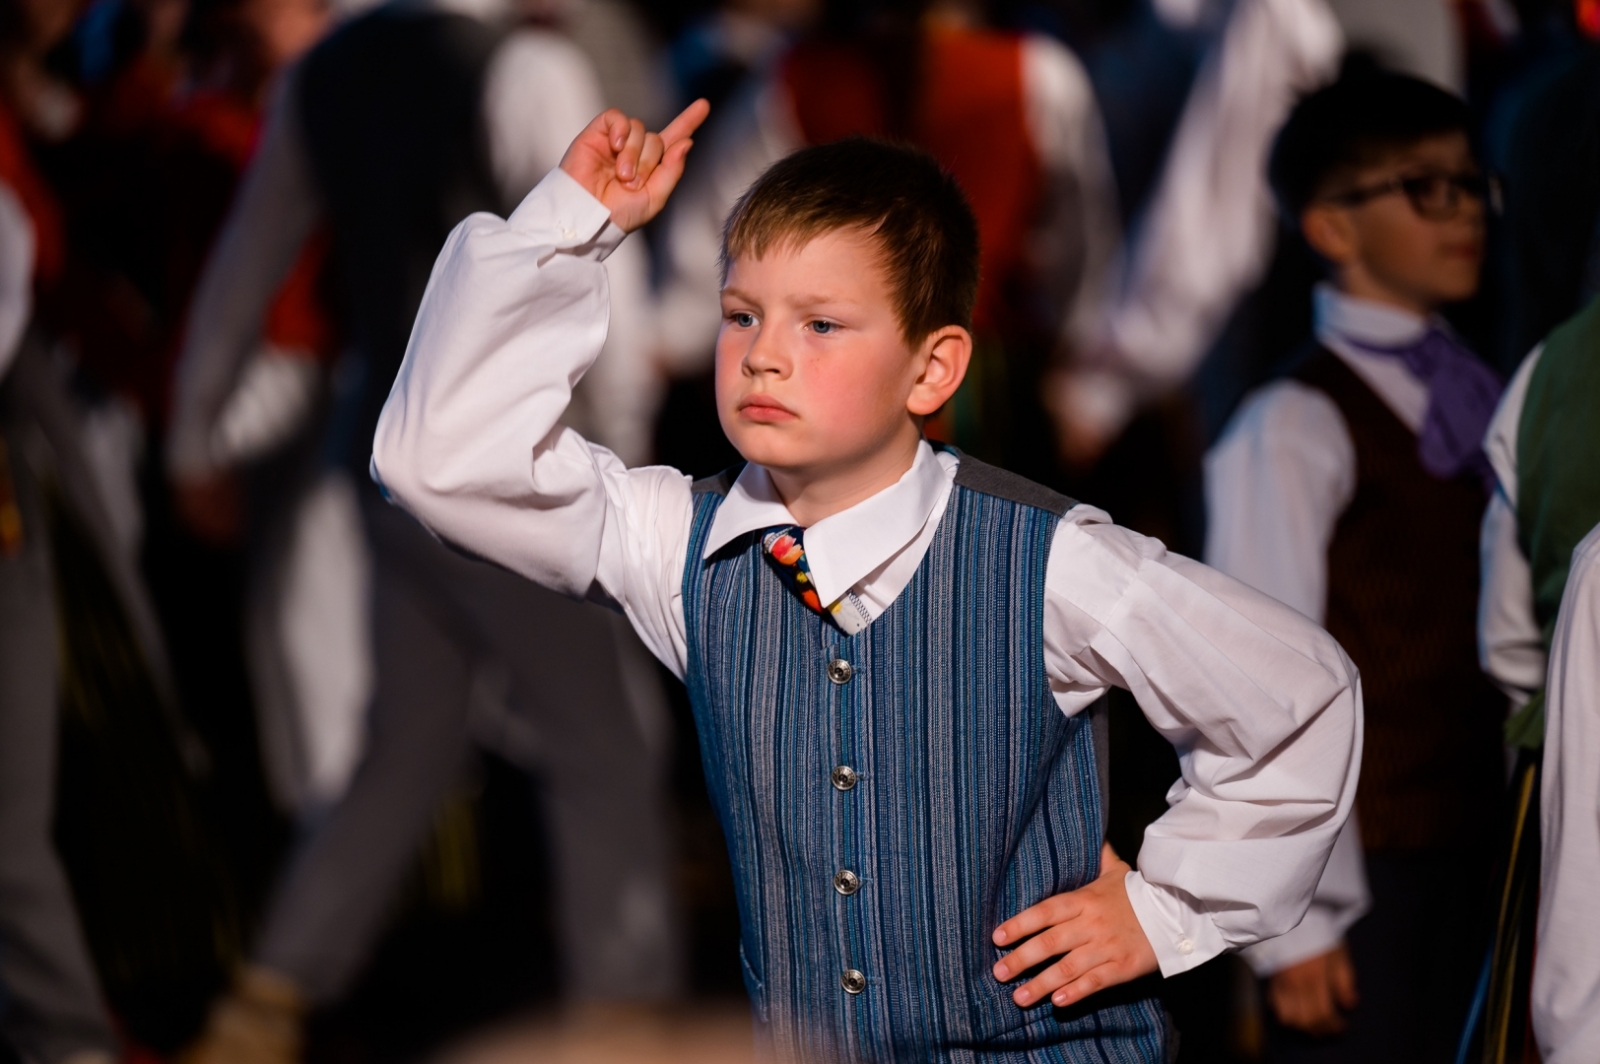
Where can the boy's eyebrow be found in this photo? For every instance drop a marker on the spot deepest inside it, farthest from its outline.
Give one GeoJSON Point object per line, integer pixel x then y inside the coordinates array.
{"type": "Point", "coordinates": [806, 300]}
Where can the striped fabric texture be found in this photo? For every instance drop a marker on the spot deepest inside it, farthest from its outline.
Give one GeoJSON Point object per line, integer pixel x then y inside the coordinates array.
{"type": "Point", "coordinates": [889, 797]}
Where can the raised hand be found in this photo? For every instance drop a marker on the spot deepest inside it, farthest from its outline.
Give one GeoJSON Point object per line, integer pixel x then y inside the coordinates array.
{"type": "Point", "coordinates": [1094, 927]}
{"type": "Point", "coordinates": [628, 169]}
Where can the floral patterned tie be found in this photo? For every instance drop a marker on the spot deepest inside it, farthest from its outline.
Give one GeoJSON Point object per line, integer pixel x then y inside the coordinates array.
{"type": "Point", "coordinates": [785, 548]}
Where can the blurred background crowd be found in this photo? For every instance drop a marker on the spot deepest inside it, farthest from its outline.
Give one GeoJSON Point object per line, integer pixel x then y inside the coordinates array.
{"type": "Point", "coordinates": [284, 748]}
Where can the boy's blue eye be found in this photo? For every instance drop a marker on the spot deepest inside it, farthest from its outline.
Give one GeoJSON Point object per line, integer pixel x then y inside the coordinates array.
{"type": "Point", "coordinates": [823, 328]}
{"type": "Point", "coordinates": [742, 319]}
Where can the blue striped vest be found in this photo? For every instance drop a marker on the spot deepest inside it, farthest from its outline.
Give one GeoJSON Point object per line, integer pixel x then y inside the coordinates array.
{"type": "Point", "coordinates": [890, 797]}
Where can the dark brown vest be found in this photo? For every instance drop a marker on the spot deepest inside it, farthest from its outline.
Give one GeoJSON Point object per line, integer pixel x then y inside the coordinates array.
{"type": "Point", "coordinates": [1402, 601]}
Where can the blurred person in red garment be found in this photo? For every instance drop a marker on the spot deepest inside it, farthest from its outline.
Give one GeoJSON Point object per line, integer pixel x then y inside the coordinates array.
{"type": "Point", "coordinates": [107, 896]}
{"type": "Point", "coordinates": [50, 1003]}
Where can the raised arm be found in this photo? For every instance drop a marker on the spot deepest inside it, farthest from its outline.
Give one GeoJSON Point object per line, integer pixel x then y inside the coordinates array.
{"type": "Point", "coordinates": [514, 314]}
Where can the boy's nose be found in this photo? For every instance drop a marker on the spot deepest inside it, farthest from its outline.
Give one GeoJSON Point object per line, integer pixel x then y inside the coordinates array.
{"type": "Point", "coordinates": [765, 355]}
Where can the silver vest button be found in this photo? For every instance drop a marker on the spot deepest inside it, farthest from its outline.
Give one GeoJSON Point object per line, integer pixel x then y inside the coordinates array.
{"type": "Point", "coordinates": [853, 981]}
{"type": "Point", "coordinates": [840, 670]}
{"type": "Point", "coordinates": [846, 882]}
{"type": "Point", "coordinates": [844, 777]}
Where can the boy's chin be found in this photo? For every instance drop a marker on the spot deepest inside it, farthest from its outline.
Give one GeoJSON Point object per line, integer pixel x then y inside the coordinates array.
{"type": "Point", "coordinates": [766, 447]}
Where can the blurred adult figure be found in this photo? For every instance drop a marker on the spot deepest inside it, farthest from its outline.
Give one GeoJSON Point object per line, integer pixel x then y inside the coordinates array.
{"type": "Point", "coordinates": [110, 900]}
{"type": "Point", "coordinates": [401, 123]}
{"type": "Point", "coordinates": [53, 1010]}
{"type": "Point", "coordinates": [1206, 236]}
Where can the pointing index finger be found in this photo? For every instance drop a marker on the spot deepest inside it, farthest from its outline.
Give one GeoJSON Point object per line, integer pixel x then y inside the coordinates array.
{"type": "Point", "coordinates": [686, 123]}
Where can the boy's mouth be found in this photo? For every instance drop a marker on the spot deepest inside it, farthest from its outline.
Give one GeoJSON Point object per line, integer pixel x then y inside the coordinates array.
{"type": "Point", "coordinates": [764, 408]}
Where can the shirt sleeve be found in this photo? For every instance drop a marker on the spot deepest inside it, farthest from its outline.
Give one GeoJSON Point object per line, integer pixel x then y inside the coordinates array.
{"type": "Point", "coordinates": [1262, 706]}
{"type": "Point", "coordinates": [16, 275]}
{"type": "Point", "coordinates": [274, 214]}
{"type": "Point", "coordinates": [1275, 485]}
{"type": "Point", "coordinates": [470, 442]}
{"type": "Point", "coordinates": [539, 93]}
{"type": "Point", "coordinates": [1342, 897]}
{"type": "Point", "coordinates": [1076, 238]}
{"type": "Point", "coordinates": [1510, 644]}
{"type": "Point", "coordinates": [1566, 975]}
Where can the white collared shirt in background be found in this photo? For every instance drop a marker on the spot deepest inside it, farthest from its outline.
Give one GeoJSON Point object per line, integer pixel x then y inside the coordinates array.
{"type": "Point", "coordinates": [1276, 484]}
{"type": "Point", "coordinates": [1263, 707]}
{"type": "Point", "coordinates": [1566, 974]}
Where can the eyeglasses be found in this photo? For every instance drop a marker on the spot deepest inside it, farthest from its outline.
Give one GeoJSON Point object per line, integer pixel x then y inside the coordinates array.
{"type": "Point", "coordinates": [1436, 197]}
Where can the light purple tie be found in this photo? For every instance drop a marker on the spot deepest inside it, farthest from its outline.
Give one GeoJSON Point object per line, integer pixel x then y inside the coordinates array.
{"type": "Point", "coordinates": [1462, 396]}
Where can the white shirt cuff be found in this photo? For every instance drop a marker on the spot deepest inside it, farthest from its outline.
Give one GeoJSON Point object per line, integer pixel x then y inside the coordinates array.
{"type": "Point", "coordinates": [1182, 937]}
{"type": "Point", "coordinates": [561, 212]}
{"type": "Point", "coordinates": [1320, 932]}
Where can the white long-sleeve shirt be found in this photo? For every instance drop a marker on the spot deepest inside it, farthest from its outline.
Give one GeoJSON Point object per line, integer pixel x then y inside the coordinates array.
{"type": "Point", "coordinates": [1263, 706]}
{"type": "Point", "coordinates": [1566, 974]}
{"type": "Point", "coordinates": [1072, 245]}
{"type": "Point", "coordinates": [539, 92]}
{"type": "Point", "coordinates": [1510, 644]}
{"type": "Point", "coordinates": [1276, 484]}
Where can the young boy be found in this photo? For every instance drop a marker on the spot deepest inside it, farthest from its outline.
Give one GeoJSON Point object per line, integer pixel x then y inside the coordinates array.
{"type": "Point", "coordinates": [890, 648]}
{"type": "Point", "coordinates": [1353, 490]}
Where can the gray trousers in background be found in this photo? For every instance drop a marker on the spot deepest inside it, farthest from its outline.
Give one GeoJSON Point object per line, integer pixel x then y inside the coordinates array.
{"type": "Point", "coordinates": [50, 1001]}
{"type": "Point", "coordinates": [471, 655]}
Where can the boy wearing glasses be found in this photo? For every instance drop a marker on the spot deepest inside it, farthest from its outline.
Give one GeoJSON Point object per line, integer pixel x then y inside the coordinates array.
{"type": "Point", "coordinates": [1352, 489]}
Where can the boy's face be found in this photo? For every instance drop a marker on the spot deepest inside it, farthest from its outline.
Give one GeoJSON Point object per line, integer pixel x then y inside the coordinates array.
{"type": "Point", "coordinates": [814, 378]}
{"type": "Point", "coordinates": [1386, 247]}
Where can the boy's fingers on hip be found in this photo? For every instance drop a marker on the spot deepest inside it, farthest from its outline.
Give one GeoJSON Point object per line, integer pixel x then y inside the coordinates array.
{"type": "Point", "coordinates": [1094, 979]}
{"type": "Point", "coordinates": [1052, 942]}
{"type": "Point", "coordinates": [1074, 967]}
{"type": "Point", "coordinates": [1054, 910]}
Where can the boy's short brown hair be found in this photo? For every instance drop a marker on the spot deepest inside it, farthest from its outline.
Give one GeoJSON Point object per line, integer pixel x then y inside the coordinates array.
{"type": "Point", "coordinates": [913, 209]}
{"type": "Point", "coordinates": [1358, 121]}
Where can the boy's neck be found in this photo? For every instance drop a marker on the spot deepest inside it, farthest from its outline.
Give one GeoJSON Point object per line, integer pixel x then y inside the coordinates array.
{"type": "Point", "coordinates": [812, 494]}
{"type": "Point", "coordinates": [1357, 283]}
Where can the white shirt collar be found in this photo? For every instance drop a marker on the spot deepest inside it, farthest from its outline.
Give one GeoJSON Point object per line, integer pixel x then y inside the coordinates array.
{"type": "Point", "coordinates": [1363, 321]}
{"type": "Point", "coordinates": [842, 549]}
{"type": "Point", "coordinates": [1345, 323]}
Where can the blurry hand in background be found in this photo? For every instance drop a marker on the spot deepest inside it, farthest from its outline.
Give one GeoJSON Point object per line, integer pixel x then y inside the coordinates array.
{"type": "Point", "coordinates": [1314, 995]}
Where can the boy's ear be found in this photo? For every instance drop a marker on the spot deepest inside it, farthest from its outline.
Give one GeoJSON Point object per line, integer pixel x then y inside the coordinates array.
{"type": "Point", "coordinates": [1327, 228]}
{"type": "Point", "coordinates": [944, 354]}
